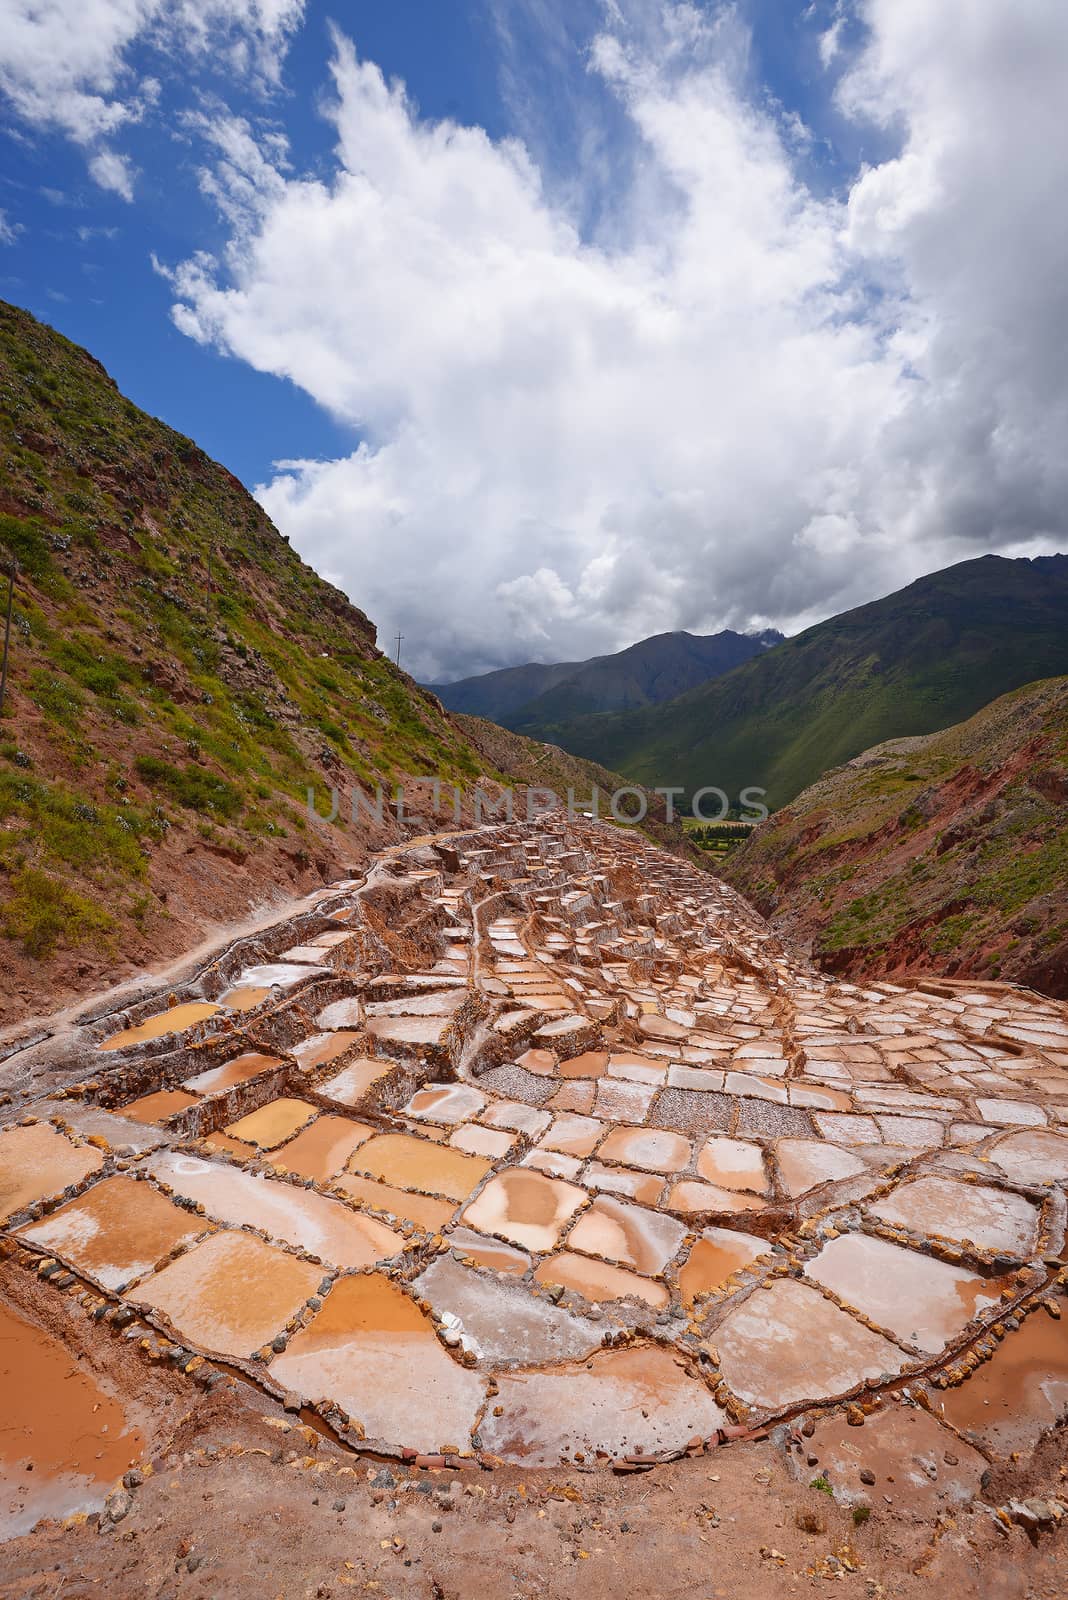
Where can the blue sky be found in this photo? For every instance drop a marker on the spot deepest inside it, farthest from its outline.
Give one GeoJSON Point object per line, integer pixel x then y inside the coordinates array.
{"type": "Point", "coordinates": [715, 315]}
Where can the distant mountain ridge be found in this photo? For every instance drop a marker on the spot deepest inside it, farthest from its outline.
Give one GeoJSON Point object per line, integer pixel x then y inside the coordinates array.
{"type": "Point", "coordinates": [531, 697]}
{"type": "Point", "coordinates": [911, 663]}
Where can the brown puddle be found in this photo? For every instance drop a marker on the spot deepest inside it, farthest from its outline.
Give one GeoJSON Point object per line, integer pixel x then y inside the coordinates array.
{"type": "Point", "coordinates": [176, 1020]}
{"type": "Point", "coordinates": [37, 1162]}
{"type": "Point", "coordinates": [421, 1164]}
{"type": "Point", "coordinates": [115, 1232]}
{"type": "Point", "coordinates": [56, 1419]}
{"type": "Point", "coordinates": [1013, 1398]}
{"type": "Point", "coordinates": [371, 1349]}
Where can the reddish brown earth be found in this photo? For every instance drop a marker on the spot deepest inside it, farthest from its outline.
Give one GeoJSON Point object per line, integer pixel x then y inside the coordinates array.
{"type": "Point", "coordinates": [943, 854]}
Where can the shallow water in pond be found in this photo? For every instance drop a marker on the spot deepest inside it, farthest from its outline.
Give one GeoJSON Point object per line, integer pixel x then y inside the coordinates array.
{"type": "Point", "coordinates": [156, 1108]}
{"type": "Point", "coordinates": [596, 1280]}
{"type": "Point", "coordinates": [58, 1420]}
{"type": "Point", "coordinates": [231, 1073]}
{"type": "Point", "coordinates": [176, 1020]}
{"type": "Point", "coordinates": [717, 1254]}
{"type": "Point", "coordinates": [422, 1164]}
{"type": "Point", "coordinates": [272, 1123]}
{"type": "Point", "coordinates": [526, 1207]}
{"type": "Point", "coordinates": [321, 1150]}
{"type": "Point", "coordinates": [38, 1161]}
{"type": "Point", "coordinates": [115, 1232]}
{"type": "Point", "coordinates": [1018, 1394]}
{"type": "Point", "coordinates": [232, 1293]}
{"type": "Point", "coordinates": [371, 1349]}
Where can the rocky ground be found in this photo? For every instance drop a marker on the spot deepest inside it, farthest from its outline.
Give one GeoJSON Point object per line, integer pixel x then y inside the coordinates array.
{"type": "Point", "coordinates": [523, 1215]}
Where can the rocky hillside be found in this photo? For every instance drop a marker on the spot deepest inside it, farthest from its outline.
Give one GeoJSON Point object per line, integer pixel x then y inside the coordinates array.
{"type": "Point", "coordinates": [943, 854]}
{"type": "Point", "coordinates": [913, 662]}
{"type": "Point", "coordinates": [533, 697]}
{"type": "Point", "coordinates": [179, 678]}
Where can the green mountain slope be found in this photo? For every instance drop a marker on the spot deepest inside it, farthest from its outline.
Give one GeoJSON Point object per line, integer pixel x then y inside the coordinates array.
{"type": "Point", "coordinates": [179, 678]}
{"type": "Point", "coordinates": [533, 697]}
{"type": "Point", "coordinates": [945, 853]}
{"type": "Point", "coordinates": [911, 663]}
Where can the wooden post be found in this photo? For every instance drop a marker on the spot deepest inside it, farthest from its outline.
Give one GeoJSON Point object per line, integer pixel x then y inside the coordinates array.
{"type": "Point", "coordinates": [7, 633]}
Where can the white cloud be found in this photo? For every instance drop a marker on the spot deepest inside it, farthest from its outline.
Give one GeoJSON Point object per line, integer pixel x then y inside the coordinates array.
{"type": "Point", "coordinates": [9, 231]}
{"type": "Point", "coordinates": [113, 171]}
{"type": "Point", "coordinates": [66, 64]}
{"type": "Point", "coordinates": [744, 401]}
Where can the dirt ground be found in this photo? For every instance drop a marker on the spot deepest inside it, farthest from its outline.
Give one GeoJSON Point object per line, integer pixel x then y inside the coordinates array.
{"type": "Point", "coordinates": [238, 1498]}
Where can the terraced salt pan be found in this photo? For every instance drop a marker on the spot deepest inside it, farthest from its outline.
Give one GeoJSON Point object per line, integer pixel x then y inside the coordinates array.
{"type": "Point", "coordinates": [990, 1218]}
{"type": "Point", "coordinates": [64, 1437]}
{"type": "Point", "coordinates": [733, 1164]}
{"type": "Point", "coordinates": [421, 1209]}
{"type": "Point", "coordinates": [322, 1048]}
{"type": "Point", "coordinates": [500, 1322]}
{"type": "Point", "coordinates": [653, 1148]}
{"type": "Point", "coordinates": [786, 1343]}
{"type": "Point", "coordinates": [178, 1019]}
{"type": "Point", "coordinates": [917, 1298]}
{"type": "Point", "coordinates": [1021, 1392]}
{"type": "Point", "coordinates": [597, 1280]}
{"type": "Point", "coordinates": [231, 1074]}
{"type": "Point", "coordinates": [420, 1164]}
{"type": "Point", "coordinates": [273, 1123]}
{"type": "Point", "coordinates": [445, 1103]}
{"type": "Point", "coordinates": [525, 1207]}
{"type": "Point", "coordinates": [355, 1081]}
{"type": "Point", "coordinates": [158, 1107]}
{"type": "Point", "coordinates": [488, 1252]}
{"type": "Point", "coordinates": [37, 1163]}
{"type": "Point", "coordinates": [231, 1294]}
{"type": "Point", "coordinates": [313, 1222]}
{"type": "Point", "coordinates": [628, 1235]}
{"type": "Point", "coordinates": [619, 1402]}
{"type": "Point", "coordinates": [321, 1150]}
{"type": "Point", "coordinates": [371, 1349]}
{"type": "Point", "coordinates": [715, 1256]}
{"type": "Point", "coordinates": [115, 1232]}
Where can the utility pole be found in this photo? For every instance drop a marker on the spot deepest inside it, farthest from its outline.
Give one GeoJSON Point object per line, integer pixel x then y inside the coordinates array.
{"type": "Point", "coordinates": [400, 637]}
{"type": "Point", "coordinates": [7, 632]}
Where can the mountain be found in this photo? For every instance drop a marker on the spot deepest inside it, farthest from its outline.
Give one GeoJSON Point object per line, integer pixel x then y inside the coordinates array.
{"type": "Point", "coordinates": [945, 853]}
{"type": "Point", "coordinates": [178, 679]}
{"type": "Point", "coordinates": [533, 697]}
{"type": "Point", "coordinates": [911, 663]}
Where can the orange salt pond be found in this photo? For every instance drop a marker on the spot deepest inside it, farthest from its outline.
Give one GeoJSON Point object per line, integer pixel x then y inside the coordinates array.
{"type": "Point", "coordinates": [733, 1164]}
{"type": "Point", "coordinates": [38, 1162]}
{"type": "Point", "coordinates": [488, 1252]}
{"type": "Point", "coordinates": [918, 1299]}
{"type": "Point", "coordinates": [425, 1212]}
{"type": "Point", "coordinates": [990, 1218]}
{"type": "Point", "coordinates": [371, 1349]}
{"type": "Point", "coordinates": [526, 1207]}
{"type": "Point", "coordinates": [322, 1048]}
{"type": "Point", "coordinates": [64, 1439]}
{"type": "Point", "coordinates": [596, 1280]}
{"type": "Point", "coordinates": [421, 1164]}
{"type": "Point", "coordinates": [158, 1107]}
{"type": "Point", "coordinates": [232, 1294]}
{"type": "Point", "coordinates": [115, 1232]}
{"type": "Point", "coordinates": [245, 998]}
{"type": "Point", "coordinates": [447, 1103]}
{"type": "Point", "coordinates": [1023, 1390]}
{"type": "Point", "coordinates": [272, 1123]}
{"type": "Point", "coordinates": [313, 1222]}
{"type": "Point", "coordinates": [629, 1235]}
{"type": "Point", "coordinates": [349, 1086]}
{"type": "Point", "coordinates": [717, 1254]}
{"type": "Point", "coordinates": [321, 1150]}
{"type": "Point", "coordinates": [617, 1403]}
{"type": "Point", "coordinates": [232, 1073]}
{"type": "Point", "coordinates": [176, 1020]}
{"type": "Point", "coordinates": [646, 1147]}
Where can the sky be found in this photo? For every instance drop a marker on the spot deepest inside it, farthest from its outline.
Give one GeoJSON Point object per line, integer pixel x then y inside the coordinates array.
{"type": "Point", "coordinates": [540, 326]}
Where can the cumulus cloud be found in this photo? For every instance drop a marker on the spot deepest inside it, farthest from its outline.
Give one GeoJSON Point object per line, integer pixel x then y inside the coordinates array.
{"type": "Point", "coordinates": [744, 402]}
{"type": "Point", "coordinates": [66, 64]}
